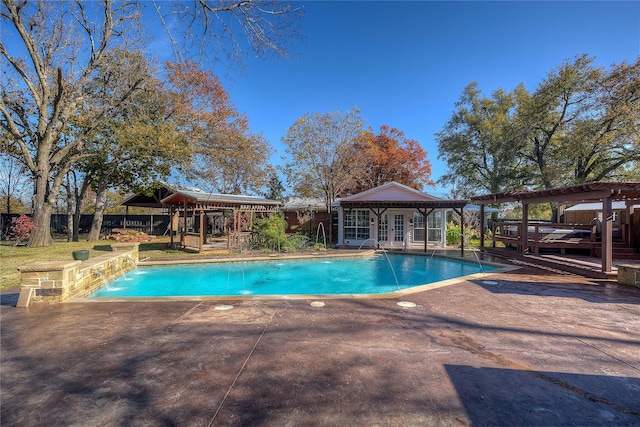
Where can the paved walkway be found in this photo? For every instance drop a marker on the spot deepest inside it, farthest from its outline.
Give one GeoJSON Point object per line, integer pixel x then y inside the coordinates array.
{"type": "Point", "coordinates": [531, 349]}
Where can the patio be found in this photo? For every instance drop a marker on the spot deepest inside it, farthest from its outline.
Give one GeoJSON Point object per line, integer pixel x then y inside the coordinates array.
{"type": "Point", "coordinates": [531, 347]}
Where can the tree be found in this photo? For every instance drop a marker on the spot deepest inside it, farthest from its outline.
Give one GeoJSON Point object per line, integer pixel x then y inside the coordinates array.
{"type": "Point", "coordinates": [227, 155]}
{"type": "Point", "coordinates": [12, 183]}
{"type": "Point", "coordinates": [390, 156]}
{"type": "Point", "coordinates": [275, 189]}
{"type": "Point", "coordinates": [482, 145]}
{"type": "Point", "coordinates": [547, 116]}
{"type": "Point", "coordinates": [606, 145]}
{"type": "Point", "coordinates": [57, 48]}
{"type": "Point", "coordinates": [581, 124]}
{"type": "Point", "coordinates": [324, 160]}
{"type": "Point", "coordinates": [140, 144]}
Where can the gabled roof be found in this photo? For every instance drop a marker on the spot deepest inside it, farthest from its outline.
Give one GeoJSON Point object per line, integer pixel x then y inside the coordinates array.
{"type": "Point", "coordinates": [391, 192]}
{"type": "Point", "coordinates": [394, 194]}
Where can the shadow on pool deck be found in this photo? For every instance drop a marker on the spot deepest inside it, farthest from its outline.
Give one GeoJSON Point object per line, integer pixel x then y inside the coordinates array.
{"type": "Point", "coordinates": [533, 349]}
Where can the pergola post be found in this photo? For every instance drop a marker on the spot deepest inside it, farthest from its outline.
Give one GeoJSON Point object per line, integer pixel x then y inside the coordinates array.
{"type": "Point", "coordinates": [524, 229]}
{"type": "Point", "coordinates": [628, 227]}
{"type": "Point", "coordinates": [171, 230]}
{"type": "Point", "coordinates": [184, 225]}
{"type": "Point", "coordinates": [344, 239]}
{"type": "Point", "coordinates": [481, 227]}
{"type": "Point", "coordinates": [462, 231]}
{"type": "Point", "coordinates": [202, 231]}
{"type": "Point", "coordinates": [606, 234]}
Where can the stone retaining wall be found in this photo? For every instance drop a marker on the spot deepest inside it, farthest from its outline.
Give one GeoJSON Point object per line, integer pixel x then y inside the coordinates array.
{"type": "Point", "coordinates": [629, 274]}
{"type": "Point", "coordinates": [51, 282]}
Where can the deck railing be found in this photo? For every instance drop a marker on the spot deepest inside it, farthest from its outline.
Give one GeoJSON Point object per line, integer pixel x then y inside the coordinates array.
{"type": "Point", "coordinates": [546, 235]}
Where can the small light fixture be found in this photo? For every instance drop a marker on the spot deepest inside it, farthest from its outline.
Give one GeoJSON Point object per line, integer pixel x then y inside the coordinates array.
{"type": "Point", "coordinates": [373, 221]}
{"type": "Point", "coordinates": [411, 223]}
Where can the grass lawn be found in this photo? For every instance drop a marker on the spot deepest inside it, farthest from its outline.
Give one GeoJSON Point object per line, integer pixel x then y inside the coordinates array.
{"type": "Point", "coordinates": [13, 257]}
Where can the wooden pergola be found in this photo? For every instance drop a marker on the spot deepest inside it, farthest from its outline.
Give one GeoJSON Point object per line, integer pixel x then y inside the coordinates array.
{"type": "Point", "coordinates": [187, 200]}
{"type": "Point", "coordinates": [604, 192]}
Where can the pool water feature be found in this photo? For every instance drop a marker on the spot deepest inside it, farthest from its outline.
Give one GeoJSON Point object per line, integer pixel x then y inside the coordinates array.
{"type": "Point", "coordinates": [320, 276]}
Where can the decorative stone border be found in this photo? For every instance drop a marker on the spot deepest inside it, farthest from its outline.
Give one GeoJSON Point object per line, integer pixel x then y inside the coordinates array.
{"type": "Point", "coordinates": [52, 282]}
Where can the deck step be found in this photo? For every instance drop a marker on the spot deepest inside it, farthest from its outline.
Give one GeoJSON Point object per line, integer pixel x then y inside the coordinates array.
{"type": "Point", "coordinates": [621, 251]}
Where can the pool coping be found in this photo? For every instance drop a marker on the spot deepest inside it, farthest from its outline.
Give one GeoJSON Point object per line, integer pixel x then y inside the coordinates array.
{"type": "Point", "coordinates": [500, 268]}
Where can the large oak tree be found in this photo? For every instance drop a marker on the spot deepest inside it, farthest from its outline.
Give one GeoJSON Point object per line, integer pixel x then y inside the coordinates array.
{"type": "Point", "coordinates": [481, 144]}
{"type": "Point", "coordinates": [580, 124]}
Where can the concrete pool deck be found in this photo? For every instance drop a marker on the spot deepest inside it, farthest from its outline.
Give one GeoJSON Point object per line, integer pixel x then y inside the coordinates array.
{"type": "Point", "coordinates": [529, 347]}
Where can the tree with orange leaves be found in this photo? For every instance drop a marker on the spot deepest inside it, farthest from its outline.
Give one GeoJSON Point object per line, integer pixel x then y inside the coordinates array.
{"type": "Point", "coordinates": [228, 157]}
{"type": "Point", "coordinates": [390, 156]}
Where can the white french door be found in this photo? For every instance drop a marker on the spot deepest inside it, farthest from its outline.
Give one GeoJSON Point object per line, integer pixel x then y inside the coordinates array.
{"type": "Point", "coordinates": [398, 227]}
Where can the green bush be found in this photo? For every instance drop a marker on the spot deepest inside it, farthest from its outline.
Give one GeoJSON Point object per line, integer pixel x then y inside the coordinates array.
{"type": "Point", "coordinates": [296, 242]}
{"type": "Point", "coordinates": [454, 237]}
{"type": "Point", "coordinates": [270, 232]}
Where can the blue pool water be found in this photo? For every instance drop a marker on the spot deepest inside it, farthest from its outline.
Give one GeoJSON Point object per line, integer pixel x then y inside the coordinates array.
{"type": "Point", "coordinates": [322, 276]}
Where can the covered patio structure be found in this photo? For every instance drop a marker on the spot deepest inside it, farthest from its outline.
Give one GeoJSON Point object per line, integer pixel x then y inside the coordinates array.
{"type": "Point", "coordinates": [597, 237]}
{"type": "Point", "coordinates": [395, 216]}
{"type": "Point", "coordinates": [193, 205]}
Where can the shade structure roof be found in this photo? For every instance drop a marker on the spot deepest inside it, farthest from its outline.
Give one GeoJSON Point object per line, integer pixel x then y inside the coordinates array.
{"type": "Point", "coordinates": [588, 192]}
{"type": "Point", "coordinates": [396, 195]}
{"type": "Point", "coordinates": [597, 206]}
{"type": "Point", "coordinates": [177, 196]}
{"type": "Point", "coordinates": [148, 201]}
{"type": "Point", "coordinates": [222, 201]}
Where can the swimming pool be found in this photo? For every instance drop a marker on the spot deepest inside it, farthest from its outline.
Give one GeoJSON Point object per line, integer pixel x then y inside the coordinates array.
{"type": "Point", "coordinates": [377, 274]}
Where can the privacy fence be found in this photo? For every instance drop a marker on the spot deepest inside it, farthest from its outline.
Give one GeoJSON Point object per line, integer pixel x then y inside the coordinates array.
{"type": "Point", "coordinates": [150, 224]}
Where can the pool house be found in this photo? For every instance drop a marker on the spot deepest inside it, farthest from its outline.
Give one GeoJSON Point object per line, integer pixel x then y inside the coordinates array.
{"type": "Point", "coordinates": [394, 216]}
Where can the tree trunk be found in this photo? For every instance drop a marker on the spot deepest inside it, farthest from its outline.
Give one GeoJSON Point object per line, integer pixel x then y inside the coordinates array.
{"type": "Point", "coordinates": [70, 219]}
{"type": "Point", "coordinates": [96, 224]}
{"type": "Point", "coordinates": [42, 208]}
{"type": "Point", "coordinates": [70, 224]}
{"type": "Point", "coordinates": [41, 236]}
{"type": "Point", "coordinates": [79, 196]}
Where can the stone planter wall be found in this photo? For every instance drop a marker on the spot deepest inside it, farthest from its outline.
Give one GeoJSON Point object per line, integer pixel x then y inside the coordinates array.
{"type": "Point", "coordinates": [629, 274]}
{"type": "Point", "coordinates": [51, 282]}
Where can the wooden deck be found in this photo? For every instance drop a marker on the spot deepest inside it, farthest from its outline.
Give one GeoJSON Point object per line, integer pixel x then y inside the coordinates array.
{"type": "Point", "coordinates": [583, 265]}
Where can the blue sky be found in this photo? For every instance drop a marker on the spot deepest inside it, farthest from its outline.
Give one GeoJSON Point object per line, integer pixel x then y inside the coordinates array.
{"type": "Point", "coordinates": [405, 64]}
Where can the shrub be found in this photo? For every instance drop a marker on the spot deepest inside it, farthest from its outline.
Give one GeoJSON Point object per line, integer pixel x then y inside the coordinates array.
{"type": "Point", "coordinates": [296, 242]}
{"type": "Point", "coordinates": [454, 237]}
{"type": "Point", "coordinates": [319, 247]}
{"type": "Point", "coordinates": [21, 229]}
{"type": "Point", "coordinates": [270, 232]}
